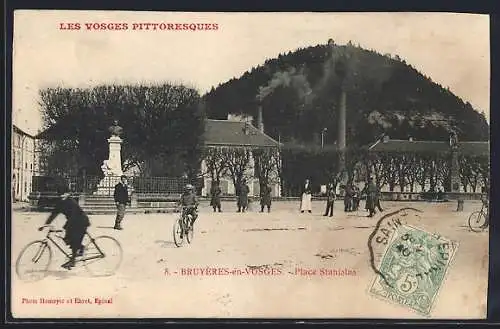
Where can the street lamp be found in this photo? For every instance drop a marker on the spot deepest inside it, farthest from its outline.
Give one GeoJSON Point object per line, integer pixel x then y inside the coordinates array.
{"type": "Point", "coordinates": [323, 132]}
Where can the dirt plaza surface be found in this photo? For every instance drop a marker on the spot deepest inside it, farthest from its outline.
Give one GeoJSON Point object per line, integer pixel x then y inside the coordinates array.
{"type": "Point", "coordinates": [282, 264]}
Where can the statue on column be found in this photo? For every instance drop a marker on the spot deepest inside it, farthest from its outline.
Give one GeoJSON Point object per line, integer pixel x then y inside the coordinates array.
{"type": "Point", "coordinates": [115, 129]}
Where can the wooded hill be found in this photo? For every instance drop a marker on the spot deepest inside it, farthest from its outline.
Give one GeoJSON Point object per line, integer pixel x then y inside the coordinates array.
{"type": "Point", "coordinates": [299, 93]}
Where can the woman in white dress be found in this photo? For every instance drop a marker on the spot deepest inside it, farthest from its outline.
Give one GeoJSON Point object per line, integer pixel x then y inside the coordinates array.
{"type": "Point", "coordinates": [305, 204]}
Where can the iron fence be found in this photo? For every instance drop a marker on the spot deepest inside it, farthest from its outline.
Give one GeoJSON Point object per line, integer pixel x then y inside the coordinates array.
{"type": "Point", "coordinates": [98, 185]}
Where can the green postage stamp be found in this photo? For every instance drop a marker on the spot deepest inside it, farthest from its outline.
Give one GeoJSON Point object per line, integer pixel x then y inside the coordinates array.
{"type": "Point", "coordinates": [413, 268]}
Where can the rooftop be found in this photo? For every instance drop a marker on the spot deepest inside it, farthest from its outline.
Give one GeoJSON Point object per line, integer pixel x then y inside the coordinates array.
{"type": "Point", "coordinates": [20, 131]}
{"type": "Point", "coordinates": [397, 145]}
{"type": "Point", "coordinates": [235, 133]}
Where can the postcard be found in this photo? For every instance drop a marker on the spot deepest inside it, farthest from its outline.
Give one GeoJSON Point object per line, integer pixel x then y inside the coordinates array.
{"type": "Point", "coordinates": [250, 165]}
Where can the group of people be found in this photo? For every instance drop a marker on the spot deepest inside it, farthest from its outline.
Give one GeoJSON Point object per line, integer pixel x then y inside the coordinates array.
{"type": "Point", "coordinates": [242, 192]}
{"type": "Point", "coordinates": [77, 220]}
{"type": "Point", "coordinates": [352, 197]}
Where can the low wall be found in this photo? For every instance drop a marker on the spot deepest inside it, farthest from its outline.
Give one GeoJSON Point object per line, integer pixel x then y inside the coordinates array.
{"type": "Point", "coordinates": [47, 200]}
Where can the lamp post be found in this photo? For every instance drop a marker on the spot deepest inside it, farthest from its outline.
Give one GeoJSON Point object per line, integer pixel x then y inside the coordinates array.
{"type": "Point", "coordinates": [323, 132]}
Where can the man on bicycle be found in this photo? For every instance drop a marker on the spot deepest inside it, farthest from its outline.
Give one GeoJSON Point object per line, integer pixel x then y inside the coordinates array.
{"type": "Point", "coordinates": [76, 225]}
{"type": "Point", "coordinates": [189, 203]}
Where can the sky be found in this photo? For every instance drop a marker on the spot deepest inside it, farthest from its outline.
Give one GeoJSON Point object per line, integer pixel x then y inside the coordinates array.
{"type": "Point", "coordinates": [452, 49]}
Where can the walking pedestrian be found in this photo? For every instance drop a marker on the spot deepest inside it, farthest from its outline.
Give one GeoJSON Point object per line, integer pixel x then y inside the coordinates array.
{"type": "Point", "coordinates": [243, 192]}
{"type": "Point", "coordinates": [265, 197]}
{"type": "Point", "coordinates": [330, 194]}
{"type": "Point", "coordinates": [215, 193]}
{"type": "Point", "coordinates": [121, 199]}
{"type": "Point", "coordinates": [306, 204]}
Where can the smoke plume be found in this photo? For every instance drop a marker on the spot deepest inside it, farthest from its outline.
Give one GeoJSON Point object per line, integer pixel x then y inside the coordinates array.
{"type": "Point", "coordinates": [290, 78]}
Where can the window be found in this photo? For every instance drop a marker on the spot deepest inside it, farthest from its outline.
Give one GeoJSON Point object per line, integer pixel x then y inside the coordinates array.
{"type": "Point", "coordinates": [26, 165]}
{"type": "Point", "coordinates": [31, 166]}
{"type": "Point", "coordinates": [25, 187]}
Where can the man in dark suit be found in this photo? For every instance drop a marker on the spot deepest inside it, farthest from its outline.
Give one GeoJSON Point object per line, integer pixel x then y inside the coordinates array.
{"type": "Point", "coordinates": [215, 193]}
{"type": "Point", "coordinates": [265, 197]}
{"type": "Point", "coordinates": [330, 194]}
{"type": "Point", "coordinates": [76, 225]}
{"type": "Point", "coordinates": [121, 199]}
{"type": "Point", "coordinates": [243, 196]}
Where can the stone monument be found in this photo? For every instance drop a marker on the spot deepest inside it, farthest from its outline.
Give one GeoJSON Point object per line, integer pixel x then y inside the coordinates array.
{"type": "Point", "coordinates": [112, 167]}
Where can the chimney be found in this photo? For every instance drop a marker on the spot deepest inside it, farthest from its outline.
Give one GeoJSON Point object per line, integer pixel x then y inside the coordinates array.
{"type": "Point", "coordinates": [260, 120]}
{"type": "Point", "coordinates": [386, 138]}
{"type": "Point", "coordinates": [342, 122]}
{"type": "Point", "coordinates": [410, 139]}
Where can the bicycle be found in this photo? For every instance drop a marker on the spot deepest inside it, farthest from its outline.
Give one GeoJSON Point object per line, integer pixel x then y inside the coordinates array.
{"type": "Point", "coordinates": [183, 228]}
{"type": "Point", "coordinates": [98, 251]}
{"type": "Point", "coordinates": [479, 220]}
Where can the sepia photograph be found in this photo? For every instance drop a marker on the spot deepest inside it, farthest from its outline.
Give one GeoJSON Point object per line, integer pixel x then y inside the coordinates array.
{"type": "Point", "coordinates": [170, 165]}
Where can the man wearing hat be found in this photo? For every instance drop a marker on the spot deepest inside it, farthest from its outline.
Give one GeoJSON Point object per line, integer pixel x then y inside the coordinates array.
{"type": "Point", "coordinates": [243, 192]}
{"type": "Point", "coordinates": [330, 194]}
{"type": "Point", "coordinates": [189, 202]}
{"type": "Point", "coordinates": [76, 224]}
{"type": "Point", "coordinates": [121, 199]}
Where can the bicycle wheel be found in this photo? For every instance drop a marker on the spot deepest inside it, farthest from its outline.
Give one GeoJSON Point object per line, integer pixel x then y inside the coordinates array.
{"type": "Point", "coordinates": [33, 261]}
{"type": "Point", "coordinates": [178, 232]}
{"type": "Point", "coordinates": [477, 221]}
{"type": "Point", "coordinates": [189, 232]}
{"type": "Point", "coordinates": [102, 256]}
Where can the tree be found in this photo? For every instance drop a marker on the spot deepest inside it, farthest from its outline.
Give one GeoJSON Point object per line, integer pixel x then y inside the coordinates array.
{"type": "Point", "coordinates": [266, 165]}
{"type": "Point", "coordinates": [159, 121]}
{"type": "Point", "coordinates": [215, 161]}
{"type": "Point", "coordinates": [238, 163]}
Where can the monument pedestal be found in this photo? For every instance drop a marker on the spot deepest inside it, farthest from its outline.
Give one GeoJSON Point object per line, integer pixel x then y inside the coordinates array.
{"type": "Point", "coordinates": [107, 185]}
{"type": "Point", "coordinates": [112, 167]}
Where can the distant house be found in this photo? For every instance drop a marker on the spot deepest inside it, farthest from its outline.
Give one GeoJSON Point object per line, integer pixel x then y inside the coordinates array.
{"type": "Point", "coordinates": [237, 132]}
{"type": "Point", "coordinates": [398, 145]}
{"type": "Point", "coordinates": [23, 162]}
{"type": "Point", "coordinates": [479, 149]}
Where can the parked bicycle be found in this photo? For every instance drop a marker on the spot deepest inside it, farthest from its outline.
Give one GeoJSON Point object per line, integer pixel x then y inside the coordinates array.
{"type": "Point", "coordinates": [101, 255]}
{"type": "Point", "coordinates": [183, 228]}
{"type": "Point", "coordinates": [479, 220]}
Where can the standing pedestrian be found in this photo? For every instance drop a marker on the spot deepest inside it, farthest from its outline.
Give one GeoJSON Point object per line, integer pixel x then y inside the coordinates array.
{"type": "Point", "coordinates": [355, 198]}
{"type": "Point", "coordinates": [348, 197]}
{"type": "Point", "coordinates": [378, 194]}
{"type": "Point", "coordinates": [121, 199]}
{"type": "Point", "coordinates": [306, 204]}
{"type": "Point", "coordinates": [370, 190]}
{"type": "Point", "coordinates": [215, 193]}
{"type": "Point", "coordinates": [265, 197]}
{"type": "Point", "coordinates": [330, 194]}
{"type": "Point", "coordinates": [243, 192]}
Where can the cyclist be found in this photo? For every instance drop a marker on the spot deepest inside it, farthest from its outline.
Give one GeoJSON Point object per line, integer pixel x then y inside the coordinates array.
{"type": "Point", "coordinates": [189, 203]}
{"type": "Point", "coordinates": [486, 206]}
{"type": "Point", "coordinates": [76, 225]}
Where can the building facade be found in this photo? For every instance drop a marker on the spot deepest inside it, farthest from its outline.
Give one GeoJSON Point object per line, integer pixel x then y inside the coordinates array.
{"type": "Point", "coordinates": [23, 162]}
{"type": "Point", "coordinates": [237, 133]}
